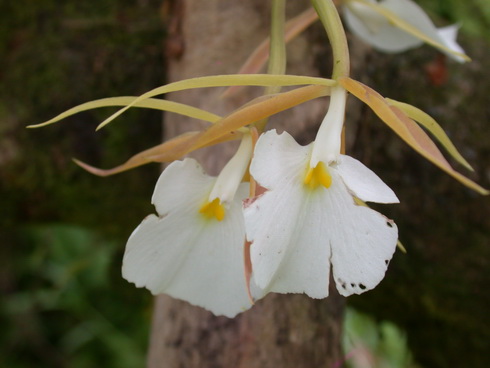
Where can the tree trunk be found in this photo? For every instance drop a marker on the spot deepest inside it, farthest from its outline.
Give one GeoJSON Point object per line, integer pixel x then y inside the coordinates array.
{"type": "Point", "coordinates": [215, 37]}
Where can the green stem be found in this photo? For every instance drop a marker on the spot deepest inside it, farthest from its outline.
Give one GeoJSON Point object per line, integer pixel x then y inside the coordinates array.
{"type": "Point", "coordinates": [277, 50]}
{"type": "Point", "coordinates": [328, 14]}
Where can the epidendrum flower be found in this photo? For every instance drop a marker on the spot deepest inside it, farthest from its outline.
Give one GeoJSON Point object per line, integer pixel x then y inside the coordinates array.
{"type": "Point", "coordinates": [311, 222]}
{"type": "Point", "coordinates": [193, 249]}
{"type": "Point", "coordinates": [310, 216]}
{"type": "Point", "coordinates": [368, 20]}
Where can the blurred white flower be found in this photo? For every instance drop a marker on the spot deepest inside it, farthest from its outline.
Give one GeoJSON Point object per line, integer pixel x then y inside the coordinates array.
{"type": "Point", "coordinates": [376, 29]}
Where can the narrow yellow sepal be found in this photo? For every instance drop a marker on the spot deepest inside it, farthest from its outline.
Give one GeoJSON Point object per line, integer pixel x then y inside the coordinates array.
{"type": "Point", "coordinates": [170, 150]}
{"type": "Point", "coordinates": [401, 247]}
{"type": "Point", "coordinates": [213, 209]}
{"type": "Point", "coordinates": [150, 103]}
{"type": "Point", "coordinates": [258, 109]}
{"type": "Point", "coordinates": [264, 80]}
{"type": "Point", "coordinates": [433, 127]}
{"type": "Point", "coordinates": [318, 176]}
{"type": "Point", "coordinates": [407, 129]}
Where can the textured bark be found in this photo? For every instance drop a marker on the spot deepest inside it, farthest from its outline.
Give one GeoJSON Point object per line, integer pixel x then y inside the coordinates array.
{"type": "Point", "coordinates": [215, 37]}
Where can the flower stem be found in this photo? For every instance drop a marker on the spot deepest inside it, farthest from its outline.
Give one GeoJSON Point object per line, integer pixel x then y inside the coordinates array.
{"type": "Point", "coordinates": [277, 50]}
{"type": "Point", "coordinates": [328, 14]}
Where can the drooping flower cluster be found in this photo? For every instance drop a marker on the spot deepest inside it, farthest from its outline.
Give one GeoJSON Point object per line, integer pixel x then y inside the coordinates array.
{"type": "Point", "coordinates": [217, 244]}
{"type": "Point", "coordinates": [308, 223]}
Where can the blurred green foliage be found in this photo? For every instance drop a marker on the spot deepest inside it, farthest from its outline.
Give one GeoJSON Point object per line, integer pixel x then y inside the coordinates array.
{"type": "Point", "coordinates": [472, 15]}
{"type": "Point", "coordinates": [70, 309]}
{"type": "Point", "coordinates": [369, 343]}
{"type": "Point", "coordinates": [64, 303]}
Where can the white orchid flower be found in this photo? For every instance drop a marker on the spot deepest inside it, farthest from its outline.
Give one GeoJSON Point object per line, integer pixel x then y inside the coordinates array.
{"type": "Point", "coordinates": [366, 21]}
{"type": "Point", "coordinates": [193, 249]}
{"type": "Point", "coordinates": [309, 219]}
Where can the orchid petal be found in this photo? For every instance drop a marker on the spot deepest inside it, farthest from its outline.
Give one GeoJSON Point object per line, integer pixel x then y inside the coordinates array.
{"type": "Point", "coordinates": [362, 241]}
{"type": "Point", "coordinates": [363, 182]}
{"type": "Point", "coordinates": [288, 251]}
{"type": "Point", "coordinates": [448, 37]}
{"type": "Point", "coordinates": [397, 25]}
{"type": "Point", "coordinates": [375, 30]}
{"type": "Point", "coordinates": [276, 159]}
{"type": "Point", "coordinates": [171, 150]}
{"type": "Point", "coordinates": [185, 255]}
{"type": "Point", "coordinates": [150, 103]}
{"type": "Point", "coordinates": [169, 194]}
{"type": "Point", "coordinates": [265, 80]}
{"type": "Point", "coordinates": [295, 231]}
{"type": "Point", "coordinates": [259, 109]}
{"type": "Point", "coordinates": [433, 127]}
{"type": "Point", "coordinates": [280, 261]}
{"type": "Point", "coordinates": [407, 129]}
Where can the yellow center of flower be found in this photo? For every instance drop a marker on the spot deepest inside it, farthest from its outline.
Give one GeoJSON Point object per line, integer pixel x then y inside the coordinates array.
{"type": "Point", "coordinates": [213, 209]}
{"type": "Point", "coordinates": [318, 176]}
